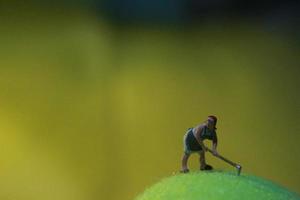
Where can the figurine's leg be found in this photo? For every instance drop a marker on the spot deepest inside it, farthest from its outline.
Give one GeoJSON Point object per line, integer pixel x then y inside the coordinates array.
{"type": "Point", "coordinates": [184, 162]}
{"type": "Point", "coordinates": [186, 155]}
{"type": "Point", "coordinates": [202, 159]}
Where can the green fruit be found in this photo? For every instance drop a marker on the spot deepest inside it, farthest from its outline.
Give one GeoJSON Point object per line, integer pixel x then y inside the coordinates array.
{"type": "Point", "coordinates": [216, 185]}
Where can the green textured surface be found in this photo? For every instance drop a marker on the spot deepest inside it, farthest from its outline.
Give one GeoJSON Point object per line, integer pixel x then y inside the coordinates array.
{"type": "Point", "coordinates": [214, 186]}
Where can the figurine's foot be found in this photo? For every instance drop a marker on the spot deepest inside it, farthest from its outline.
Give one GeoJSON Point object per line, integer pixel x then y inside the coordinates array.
{"type": "Point", "coordinates": [206, 167]}
{"type": "Point", "coordinates": [184, 171]}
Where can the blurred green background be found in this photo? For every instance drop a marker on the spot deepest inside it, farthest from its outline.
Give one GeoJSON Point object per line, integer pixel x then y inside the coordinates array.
{"type": "Point", "coordinates": [95, 110]}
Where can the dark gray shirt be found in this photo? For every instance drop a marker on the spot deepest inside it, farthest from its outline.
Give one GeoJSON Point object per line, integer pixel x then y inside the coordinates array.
{"type": "Point", "coordinates": [206, 133]}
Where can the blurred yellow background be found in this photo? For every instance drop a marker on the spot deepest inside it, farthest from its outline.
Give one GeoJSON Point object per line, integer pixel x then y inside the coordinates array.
{"type": "Point", "coordinates": [91, 110]}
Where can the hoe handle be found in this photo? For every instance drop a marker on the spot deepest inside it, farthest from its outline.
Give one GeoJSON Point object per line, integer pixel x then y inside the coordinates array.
{"type": "Point", "coordinates": [224, 159]}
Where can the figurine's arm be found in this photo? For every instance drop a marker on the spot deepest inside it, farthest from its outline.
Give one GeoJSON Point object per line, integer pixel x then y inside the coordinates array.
{"type": "Point", "coordinates": [215, 143]}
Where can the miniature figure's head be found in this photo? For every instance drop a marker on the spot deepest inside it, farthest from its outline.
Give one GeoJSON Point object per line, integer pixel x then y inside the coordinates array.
{"type": "Point", "coordinates": [212, 122]}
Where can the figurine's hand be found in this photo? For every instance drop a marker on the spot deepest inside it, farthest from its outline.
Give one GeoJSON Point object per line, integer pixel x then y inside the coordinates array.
{"type": "Point", "coordinates": [215, 153]}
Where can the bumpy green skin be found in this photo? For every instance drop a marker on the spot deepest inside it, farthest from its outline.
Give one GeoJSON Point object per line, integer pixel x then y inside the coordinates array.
{"type": "Point", "coordinates": [216, 185]}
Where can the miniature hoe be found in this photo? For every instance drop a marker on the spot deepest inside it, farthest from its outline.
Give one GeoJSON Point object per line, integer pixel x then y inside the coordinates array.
{"type": "Point", "coordinates": [237, 166]}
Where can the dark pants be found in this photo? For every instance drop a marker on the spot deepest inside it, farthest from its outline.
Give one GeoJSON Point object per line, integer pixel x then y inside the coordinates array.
{"type": "Point", "coordinates": [190, 143]}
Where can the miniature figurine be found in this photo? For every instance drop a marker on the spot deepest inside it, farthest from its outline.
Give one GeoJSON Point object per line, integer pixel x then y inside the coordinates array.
{"type": "Point", "coordinates": [193, 142]}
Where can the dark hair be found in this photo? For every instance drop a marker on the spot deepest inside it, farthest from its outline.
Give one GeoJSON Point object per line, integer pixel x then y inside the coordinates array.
{"type": "Point", "coordinates": [214, 118]}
